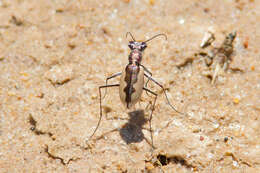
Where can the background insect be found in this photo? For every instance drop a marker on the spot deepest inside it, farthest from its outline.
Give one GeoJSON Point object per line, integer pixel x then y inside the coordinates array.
{"type": "Point", "coordinates": [132, 83]}
{"type": "Point", "coordinates": [219, 58]}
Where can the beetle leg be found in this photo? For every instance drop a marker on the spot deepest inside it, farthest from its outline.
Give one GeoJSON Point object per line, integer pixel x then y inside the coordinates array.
{"type": "Point", "coordinates": [113, 76]}
{"type": "Point", "coordinates": [151, 115]}
{"type": "Point", "coordinates": [145, 69]}
{"type": "Point", "coordinates": [164, 91]}
{"type": "Point", "coordinates": [150, 73]}
{"type": "Point", "coordinates": [100, 104]}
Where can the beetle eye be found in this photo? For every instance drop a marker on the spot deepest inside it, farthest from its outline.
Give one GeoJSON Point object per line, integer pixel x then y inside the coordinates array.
{"type": "Point", "coordinates": [143, 46]}
{"type": "Point", "coordinates": [130, 45]}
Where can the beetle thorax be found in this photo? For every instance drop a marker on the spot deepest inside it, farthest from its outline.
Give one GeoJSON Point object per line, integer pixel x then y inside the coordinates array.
{"type": "Point", "coordinates": [135, 56]}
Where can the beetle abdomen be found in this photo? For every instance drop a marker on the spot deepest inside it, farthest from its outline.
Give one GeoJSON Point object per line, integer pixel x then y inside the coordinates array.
{"type": "Point", "coordinates": [131, 85]}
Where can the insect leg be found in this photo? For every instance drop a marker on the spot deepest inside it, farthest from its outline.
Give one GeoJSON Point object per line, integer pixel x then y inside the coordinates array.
{"type": "Point", "coordinates": [113, 76]}
{"type": "Point", "coordinates": [216, 73]}
{"type": "Point", "coordinates": [145, 69]}
{"type": "Point", "coordinates": [150, 73]}
{"type": "Point", "coordinates": [100, 104]}
{"type": "Point", "coordinates": [164, 91]}
{"type": "Point", "coordinates": [151, 115]}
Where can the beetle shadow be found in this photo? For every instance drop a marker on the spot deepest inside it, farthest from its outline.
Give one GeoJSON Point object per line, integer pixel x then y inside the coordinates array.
{"type": "Point", "coordinates": [131, 132]}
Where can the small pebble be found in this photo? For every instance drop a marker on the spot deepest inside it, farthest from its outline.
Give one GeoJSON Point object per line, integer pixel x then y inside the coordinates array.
{"type": "Point", "coordinates": [236, 100]}
{"type": "Point", "coordinates": [245, 44]}
{"type": "Point", "coordinates": [225, 139]}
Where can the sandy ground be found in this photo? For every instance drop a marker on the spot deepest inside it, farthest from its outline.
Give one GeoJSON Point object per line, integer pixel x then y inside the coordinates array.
{"type": "Point", "coordinates": [55, 54]}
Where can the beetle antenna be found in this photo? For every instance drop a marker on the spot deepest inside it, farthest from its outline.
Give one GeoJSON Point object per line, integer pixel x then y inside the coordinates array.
{"type": "Point", "coordinates": [156, 36]}
{"type": "Point", "coordinates": [130, 35]}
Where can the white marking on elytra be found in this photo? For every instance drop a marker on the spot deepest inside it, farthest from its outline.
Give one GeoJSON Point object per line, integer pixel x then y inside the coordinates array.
{"type": "Point", "coordinates": [131, 83]}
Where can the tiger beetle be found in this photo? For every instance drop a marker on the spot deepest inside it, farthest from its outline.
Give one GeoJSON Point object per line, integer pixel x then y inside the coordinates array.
{"type": "Point", "coordinates": [132, 82]}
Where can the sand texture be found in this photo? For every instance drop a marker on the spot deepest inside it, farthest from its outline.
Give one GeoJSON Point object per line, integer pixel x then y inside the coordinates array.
{"type": "Point", "coordinates": [54, 55]}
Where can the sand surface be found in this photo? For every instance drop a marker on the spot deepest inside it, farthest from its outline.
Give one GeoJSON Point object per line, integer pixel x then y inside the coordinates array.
{"type": "Point", "coordinates": [55, 54]}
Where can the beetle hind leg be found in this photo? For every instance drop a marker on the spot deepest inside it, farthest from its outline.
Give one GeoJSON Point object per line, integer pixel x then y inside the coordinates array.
{"type": "Point", "coordinates": [151, 115]}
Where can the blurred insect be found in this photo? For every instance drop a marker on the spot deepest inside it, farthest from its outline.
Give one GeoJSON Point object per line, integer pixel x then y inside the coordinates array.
{"type": "Point", "coordinates": [218, 59]}
{"type": "Point", "coordinates": [208, 38]}
{"type": "Point", "coordinates": [132, 83]}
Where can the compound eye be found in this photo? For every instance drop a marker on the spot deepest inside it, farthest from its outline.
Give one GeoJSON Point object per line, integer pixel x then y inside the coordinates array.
{"type": "Point", "coordinates": [131, 45]}
{"type": "Point", "coordinates": [143, 46]}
